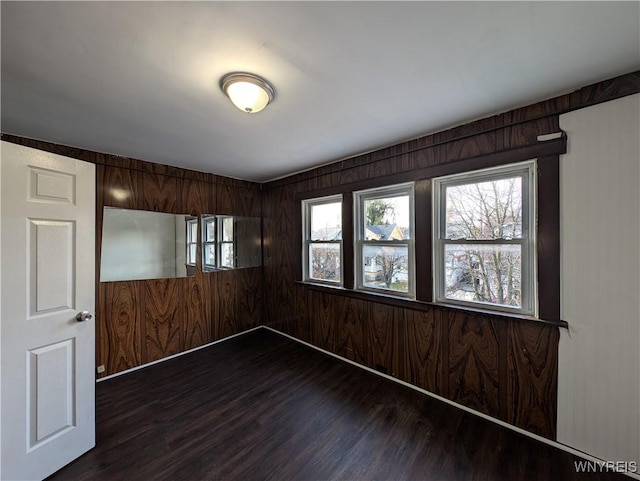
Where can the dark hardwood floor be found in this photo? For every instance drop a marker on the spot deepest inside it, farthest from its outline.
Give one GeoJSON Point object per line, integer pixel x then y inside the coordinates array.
{"type": "Point", "coordinates": [261, 406]}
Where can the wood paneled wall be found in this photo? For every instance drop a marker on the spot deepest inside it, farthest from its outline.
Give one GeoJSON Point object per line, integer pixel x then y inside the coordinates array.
{"type": "Point", "coordinates": [506, 368]}
{"type": "Point", "coordinates": [143, 321]}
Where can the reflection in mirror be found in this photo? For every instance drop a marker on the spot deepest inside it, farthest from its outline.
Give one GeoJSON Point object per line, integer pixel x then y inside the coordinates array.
{"type": "Point", "coordinates": [138, 244]}
{"type": "Point", "coordinates": [230, 242]}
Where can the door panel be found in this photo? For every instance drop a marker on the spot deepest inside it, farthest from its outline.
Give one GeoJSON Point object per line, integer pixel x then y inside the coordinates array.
{"type": "Point", "coordinates": [47, 247]}
{"type": "Point", "coordinates": [50, 187]}
{"type": "Point", "coordinates": [50, 391]}
{"type": "Point", "coordinates": [51, 276]}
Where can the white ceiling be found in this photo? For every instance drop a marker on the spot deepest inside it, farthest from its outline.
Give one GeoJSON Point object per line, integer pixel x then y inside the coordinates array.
{"type": "Point", "coordinates": [140, 79]}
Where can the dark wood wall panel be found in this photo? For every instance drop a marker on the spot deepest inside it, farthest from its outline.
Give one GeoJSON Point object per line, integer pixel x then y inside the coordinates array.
{"type": "Point", "coordinates": [249, 298]}
{"type": "Point", "coordinates": [469, 147]}
{"type": "Point", "coordinates": [120, 188]}
{"type": "Point", "coordinates": [322, 309]}
{"type": "Point", "coordinates": [235, 200]}
{"type": "Point", "coordinates": [162, 308]}
{"type": "Point", "coordinates": [422, 358]}
{"type": "Point", "coordinates": [385, 336]}
{"type": "Point", "coordinates": [532, 389]}
{"type": "Point", "coordinates": [160, 193]}
{"type": "Point", "coordinates": [119, 326]}
{"type": "Point", "coordinates": [196, 328]}
{"type": "Point", "coordinates": [420, 159]}
{"type": "Point", "coordinates": [473, 362]}
{"type": "Point", "coordinates": [351, 335]}
{"type": "Point", "coordinates": [226, 199]}
{"type": "Point", "coordinates": [226, 322]}
{"type": "Point", "coordinates": [302, 327]}
{"type": "Point", "coordinates": [280, 260]}
{"type": "Point", "coordinates": [249, 202]}
{"type": "Point", "coordinates": [195, 198]}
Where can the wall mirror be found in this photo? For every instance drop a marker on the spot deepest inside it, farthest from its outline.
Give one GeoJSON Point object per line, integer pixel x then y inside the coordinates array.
{"type": "Point", "coordinates": [230, 242]}
{"type": "Point", "coordinates": [138, 244]}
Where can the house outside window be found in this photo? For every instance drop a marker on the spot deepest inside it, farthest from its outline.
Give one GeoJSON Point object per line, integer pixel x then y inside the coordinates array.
{"type": "Point", "coordinates": [484, 238]}
{"type": "Point", "coordinates": [384, 247]}
{"type": "Point", "coordinates": [322, 239]}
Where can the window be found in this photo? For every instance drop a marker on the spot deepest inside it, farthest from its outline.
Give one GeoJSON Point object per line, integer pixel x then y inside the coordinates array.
{"type": "Point", "coordinates": [322, 235]}
{"type": "Point", "coordinates": [484, 238]}
{"type": "Point", "coordinates": [192, 240]}
{"type": "Point", "coordinates": [218, 241]}
{"type": "Point", "coordinates": [226, 252]}
{"type": "Point", "coordinates": [384, 239]}
{"type": "Point", "coordinates": [209, 243]}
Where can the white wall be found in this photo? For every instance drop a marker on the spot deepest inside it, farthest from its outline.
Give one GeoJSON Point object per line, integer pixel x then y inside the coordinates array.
{"type": "Point", "coordinates": [599, 357]}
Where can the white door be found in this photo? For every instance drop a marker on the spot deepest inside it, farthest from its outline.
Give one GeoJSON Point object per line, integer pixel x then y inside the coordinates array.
{"type": "Point", "coordinates": [47, 246]}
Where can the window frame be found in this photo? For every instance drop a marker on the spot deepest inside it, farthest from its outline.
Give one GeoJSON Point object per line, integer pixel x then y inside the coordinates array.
{"type": "Point", "coordinates": [206, 220]}
{"type": "Point", "coordinates": [359, 199]}
{"type": "Point", "coordinates": [526, 170]}
{"type": "Point", "coordinates": [307, 205]}
{"type": "Point", "coordinates": [220, 234]}
{"type": "Point", "coordinates": [217, 242]}
{"type": "Point", "coordinates": [191, 240]}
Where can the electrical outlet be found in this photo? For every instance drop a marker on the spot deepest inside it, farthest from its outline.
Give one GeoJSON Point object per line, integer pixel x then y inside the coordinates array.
{"type": "Point", "coordinates": [100, 369]}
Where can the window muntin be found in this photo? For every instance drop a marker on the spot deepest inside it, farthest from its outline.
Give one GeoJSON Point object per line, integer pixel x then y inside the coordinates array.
{"type": "Point", "coordinates": [322, 234]}
{"type": "Point", "coordinates": [384, 248]}
{"type": "Point", "coordinates": [484, 238]}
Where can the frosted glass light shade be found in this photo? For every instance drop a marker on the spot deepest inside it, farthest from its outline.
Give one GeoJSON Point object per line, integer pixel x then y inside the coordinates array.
{"type": "Point", "coordinates": [248, 92]}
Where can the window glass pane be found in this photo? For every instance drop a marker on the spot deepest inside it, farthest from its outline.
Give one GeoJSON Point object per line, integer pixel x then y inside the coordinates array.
{"type": "Point", "coordinates": [210, 230]}
{"type": "Point", "coordinates": [324, 261]}
{"type": "Point", "coordinates": [227, 229]}
{"type": "Point", "coordinates": [484, 273]}
{"type": "Point", "coordinates": [386, 267]}
{"type": "Point", "coordinates": [192, 254]}
{"type": "Point", "coordinates": [209, 254]}
{"type": "Point", "coordinates": [387, 218]}
{"type": "Point", "coordinates": [326, 221]}
{"type": "Point", "coordinates": [226, 255]}
{"type": "Point", "coordinates": [485, 210]}
{"type": "Point", "coordinates": [193, 231]}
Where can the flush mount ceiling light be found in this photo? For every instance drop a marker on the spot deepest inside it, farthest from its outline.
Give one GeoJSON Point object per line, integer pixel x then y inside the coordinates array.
{"type": "Point", "coordinates": [247, 91]}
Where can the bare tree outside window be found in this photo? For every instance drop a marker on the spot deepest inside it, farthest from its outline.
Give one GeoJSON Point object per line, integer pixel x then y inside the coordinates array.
{"type": "Point", "coordinates": [484, 238]}
{"type": "Point", "coordinates": [325, 261]}
{"type": "Point", "coordinates": [388, 267]}
{"type": "Point", "coordinates": [484, 211]}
